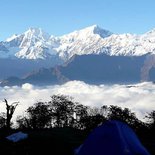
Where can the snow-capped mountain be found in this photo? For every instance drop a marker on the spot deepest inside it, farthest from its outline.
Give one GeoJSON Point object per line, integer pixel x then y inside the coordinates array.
{"type": "Point", "coordinates": [36, 44]}
{"type": "Point", "coordinates": [86, 41]}
{"type": "Point", "coordinates": [33, 44]}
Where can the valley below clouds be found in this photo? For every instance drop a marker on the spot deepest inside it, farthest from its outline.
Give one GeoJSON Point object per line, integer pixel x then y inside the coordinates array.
{"type": "Point", "coordinates": [140, 97]}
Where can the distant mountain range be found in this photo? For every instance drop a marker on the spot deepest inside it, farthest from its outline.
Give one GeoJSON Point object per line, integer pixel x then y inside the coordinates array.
{"type": "Point", "coordinates": [92, 69]}
{"type": "Point", "coordinates": [92, 54]}
{"type": "Point", "coordinates": [36, 44]}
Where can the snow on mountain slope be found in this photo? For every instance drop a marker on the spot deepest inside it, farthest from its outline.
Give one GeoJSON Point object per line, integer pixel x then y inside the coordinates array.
{"type": "Point", "coordinates": [33, 44]}
{"type": "Point", "coordinates": [36, 44]}
{"type": "Point", "coordinates": [86, 41]}
{"type": "Point", "coordinates": [128, 44]}
{"type": "Point", "coordinates": [94, 40]}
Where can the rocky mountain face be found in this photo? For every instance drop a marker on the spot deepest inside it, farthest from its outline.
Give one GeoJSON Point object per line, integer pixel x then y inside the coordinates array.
{"type": "Point", "coordinates": [92, 69]}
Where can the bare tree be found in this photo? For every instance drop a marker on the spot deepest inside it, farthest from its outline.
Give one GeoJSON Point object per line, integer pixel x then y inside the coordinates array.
{"type": "Point", "coordinates": [10, 109]}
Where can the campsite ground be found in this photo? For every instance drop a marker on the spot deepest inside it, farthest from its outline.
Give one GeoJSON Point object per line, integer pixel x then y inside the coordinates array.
{"type": "Point", "coordinates": [57, 141]}
{"type": "Point", "coordinates": [147, 137]}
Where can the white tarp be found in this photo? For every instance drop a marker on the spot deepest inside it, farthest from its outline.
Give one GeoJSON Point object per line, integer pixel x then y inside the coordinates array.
{"type": "Point", "coordinates": [17, 136]}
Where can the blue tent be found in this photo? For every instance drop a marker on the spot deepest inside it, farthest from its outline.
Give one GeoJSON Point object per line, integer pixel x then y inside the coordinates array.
{"type": "Point", "coordinates": [112, 138]}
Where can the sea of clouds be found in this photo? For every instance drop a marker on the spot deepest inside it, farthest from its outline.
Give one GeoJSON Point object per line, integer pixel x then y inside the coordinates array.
{"type": "Point", "coordinates": [140, 98]}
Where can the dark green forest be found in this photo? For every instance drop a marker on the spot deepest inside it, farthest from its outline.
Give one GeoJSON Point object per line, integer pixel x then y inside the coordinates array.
{"type": "Point", "coordinates": [61, 124]}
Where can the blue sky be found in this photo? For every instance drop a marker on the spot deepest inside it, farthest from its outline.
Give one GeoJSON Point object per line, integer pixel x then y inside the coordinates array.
{"type": "Point", "coordinates": [59, 17]}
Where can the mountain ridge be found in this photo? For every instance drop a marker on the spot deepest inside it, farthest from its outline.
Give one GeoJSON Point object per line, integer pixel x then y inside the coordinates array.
{"type": "Point", "coordinates": [92, 69]}
{"type": "Point", "coordinates": [36, 44]}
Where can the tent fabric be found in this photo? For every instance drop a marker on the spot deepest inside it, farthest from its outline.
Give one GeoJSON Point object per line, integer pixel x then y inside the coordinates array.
{"type": "Point", "coordinates": [17, 137]}
{"type": "Point", "coordinates": [112, 138]}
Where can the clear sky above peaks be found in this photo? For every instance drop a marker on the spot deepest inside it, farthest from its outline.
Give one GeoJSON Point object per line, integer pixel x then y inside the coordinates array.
{"type": "Point", "coordinates": [59, 17]}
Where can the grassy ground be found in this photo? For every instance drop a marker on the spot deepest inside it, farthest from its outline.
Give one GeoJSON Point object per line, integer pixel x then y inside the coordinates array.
{"type": "Point", "coordinates": [57, 141]}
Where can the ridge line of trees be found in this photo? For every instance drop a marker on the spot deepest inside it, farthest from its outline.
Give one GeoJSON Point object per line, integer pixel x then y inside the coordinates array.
{"type": "Point", "coordinates": [63, 111]}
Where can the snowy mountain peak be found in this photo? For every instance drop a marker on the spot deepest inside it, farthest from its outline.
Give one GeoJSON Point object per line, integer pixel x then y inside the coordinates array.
{"type": "Point", "coordinates": [12, 38]}
{"type": "Point", "coordinates": [37, 33]}
{"type": "Point", "coordinates": [92, 29]}
{"type": "Point", "coordinates": [37, 44]}
{"type": "Point", "coordinates": [34, 45]}
{"type": "Point", "coordinates": [95, 29]}
{"type": "Point", "coordinates": [151, 31]}
{"type": "Point", "coordinates": [89, 33]}
{"type": "Point", "coordinates": [84, 41]}
{"type": "Point", "coordinates": [34, 29]}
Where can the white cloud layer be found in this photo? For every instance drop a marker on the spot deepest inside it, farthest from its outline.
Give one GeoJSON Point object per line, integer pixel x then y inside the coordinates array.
{"type": "Point", "coordinates": [140, 98]}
